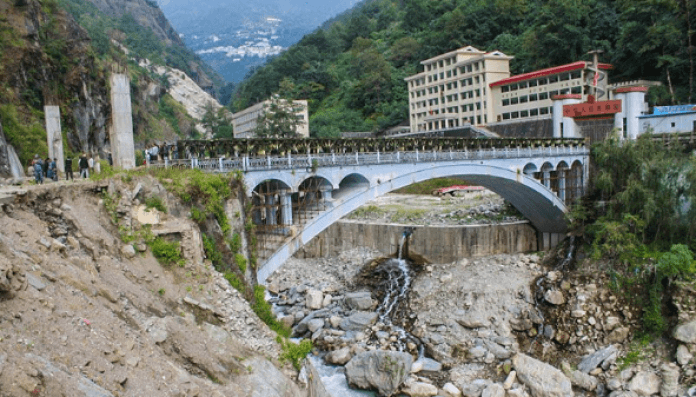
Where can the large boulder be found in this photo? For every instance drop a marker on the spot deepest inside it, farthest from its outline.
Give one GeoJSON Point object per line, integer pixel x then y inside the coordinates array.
{"type": "Point", "coordinates": [593, 360]}
{"type": "Point", "coordinates": [645, 384]}
{"type": "Point", "coordinates": [542, 379]}
{"type": "Point", "coordinates": [359, 300]}
{"type": "Point", "coordinates": [358, 321]}
{"type": "Point", "coordinates": [686, 332]}
{"type": "Point", "coordinates": [314, 299]}
{"type": "Point", "coordinates": [383, 371]}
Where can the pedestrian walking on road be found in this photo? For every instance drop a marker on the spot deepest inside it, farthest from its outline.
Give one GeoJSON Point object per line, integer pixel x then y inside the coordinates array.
{"type": "Point", "coordinates": [68, 169]}
{"type": "Point", "coordinates": [84, 166]}
{"type": "Point", "coordinates": [37, 164]}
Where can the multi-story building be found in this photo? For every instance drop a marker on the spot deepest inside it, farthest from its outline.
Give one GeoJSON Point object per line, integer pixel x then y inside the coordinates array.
{"type": "Point", "coordinates": [244, 122]}
{"type": "Point", "coordinates": [453, 89]}
{"type": "Point", "coordinates": [528, 96]}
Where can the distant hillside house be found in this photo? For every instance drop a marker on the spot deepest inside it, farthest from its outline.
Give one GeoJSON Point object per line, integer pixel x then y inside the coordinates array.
{"type": "Point", "coordinates": [245, 121]}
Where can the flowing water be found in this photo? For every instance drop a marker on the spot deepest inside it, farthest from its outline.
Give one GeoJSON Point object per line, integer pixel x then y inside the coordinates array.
{"type": "Point", "coordinates": [396, 276]}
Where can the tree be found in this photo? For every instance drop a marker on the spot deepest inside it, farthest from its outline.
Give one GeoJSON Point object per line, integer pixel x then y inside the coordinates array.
{"type": "Point", "coordinates": [217, 122]}
{"type": "Point", "coordinates": [278, 119]}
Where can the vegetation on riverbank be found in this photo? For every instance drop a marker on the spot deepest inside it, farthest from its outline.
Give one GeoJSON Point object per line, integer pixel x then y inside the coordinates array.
{"type": "Point", "coordinates": [640, 220]}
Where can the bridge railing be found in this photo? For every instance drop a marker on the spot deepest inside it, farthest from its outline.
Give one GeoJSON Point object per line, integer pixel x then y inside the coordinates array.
{"type": "Point", "coordinates": [367, 158]}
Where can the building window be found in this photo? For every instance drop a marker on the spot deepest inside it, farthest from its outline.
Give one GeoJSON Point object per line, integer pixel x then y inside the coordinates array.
{"type": "Point", "coordinates": [542, 81]}
{"type": "Point", "coordinates": [576, 90]}
{"type": "Point", "coordinates": [553, 93]}
{"type": "Point", "coordinates": [515, 115]}
{"type": "Point", "coordinates": [477, 80]}
{"type": "Point", "coordinates": [565, 91]}
{"type": "Point", "coordinates": [534, 112]}
{"type": "Point", "coordinates": [576, 75]}
{"type": "Point", "coordinates": [524, 99]}
{"type": "Point", "coordinates": [553, 79]}
{"type": "Point", "coordinates": [454, 84]}
{"type": "Point", "coordinates": [523, 84]}
{"type": "Point", "coordinates": [524, 113]}
{"type": "Point", "coordinates": [506, 116]}
{"type": "Point", "coordinates": [506, 102]}
{"type": "Point", "coordinates": [674, 125]}
{"type": "Point", "coordinates": [532, 97]}
{"type": "Point", "coordinates": [468, 68]}
{"type": "Point", "coordinates": [505, 88]}
{"type": "Point", "coordinates": [565, 76]}
{"type": "Point", "coordinates": [449, 73]}
{"type": "Point", "coordinates": [543, 96]}
{"type": "Point", "coordinates": [532, 83]}
{"type": "Point", "coordinates": [514, 101]}
{"type": "Point", "coordinates": [544, 111]}
{"type": "Point", "coordinates": [513, 87]}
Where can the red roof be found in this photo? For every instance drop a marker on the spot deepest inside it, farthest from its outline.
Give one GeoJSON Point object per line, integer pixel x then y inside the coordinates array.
{"type": "Point", "coordinates": [548, 72]}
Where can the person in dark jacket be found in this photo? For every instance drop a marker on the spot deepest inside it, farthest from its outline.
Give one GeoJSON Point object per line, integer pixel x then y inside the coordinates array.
{"type": "Point", "coordinates": [84, 166]}
{"type": "Point", "coordinates": [68, 169]}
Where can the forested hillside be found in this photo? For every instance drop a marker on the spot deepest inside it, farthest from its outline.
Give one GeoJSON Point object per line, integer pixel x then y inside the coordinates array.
{"type": "Point", "coordinates": [352, 69]}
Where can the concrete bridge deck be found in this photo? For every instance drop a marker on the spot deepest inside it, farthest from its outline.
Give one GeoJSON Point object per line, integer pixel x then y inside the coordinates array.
{"type": "Point", "coordinates": [300, 187]}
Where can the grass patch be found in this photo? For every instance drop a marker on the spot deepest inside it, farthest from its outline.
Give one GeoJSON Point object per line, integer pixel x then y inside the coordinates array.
{"type": "Point", "coordinates": [427, 187]}
{"type": "Point", "coordinates": [241, 262]}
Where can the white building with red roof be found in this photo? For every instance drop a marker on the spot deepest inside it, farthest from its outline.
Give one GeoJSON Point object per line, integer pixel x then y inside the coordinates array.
{"type": "Point", "coordinates": [530, 95]}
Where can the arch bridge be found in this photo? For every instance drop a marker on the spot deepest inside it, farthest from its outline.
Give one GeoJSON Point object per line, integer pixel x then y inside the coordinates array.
{"type": "Point", "coordinates": [300, 187]}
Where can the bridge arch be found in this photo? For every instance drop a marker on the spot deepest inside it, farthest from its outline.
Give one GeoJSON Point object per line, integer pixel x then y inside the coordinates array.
{"type": "Point", "coordinates": [535, 201]}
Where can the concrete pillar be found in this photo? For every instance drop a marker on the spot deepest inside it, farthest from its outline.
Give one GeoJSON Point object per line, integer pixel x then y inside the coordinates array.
{"type": "Point", "coordinates": [286, 207]}
{"type": "Point", "coordinates": [271, 210]}
{"type": "Point", "coordinates": [564, 126]}
{"type": "Point", "coordinates": [562, 184]}
{"type": "Point", "coordinates": [54, 136]}
{"type": "Point", "coordinates": [121, 134]}
{"type": "Point", "coordinates": [256, 213]}
{"type": "Point", "coordinates": [546, 179]}
{"type": "Point", "coordinates": [632, 106]}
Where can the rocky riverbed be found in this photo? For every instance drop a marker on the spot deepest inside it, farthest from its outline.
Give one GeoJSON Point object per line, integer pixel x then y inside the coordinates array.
{"type": "Point", "coordinates": [477, 208]}
{"type": "Point", "coordinates": [504, 325]}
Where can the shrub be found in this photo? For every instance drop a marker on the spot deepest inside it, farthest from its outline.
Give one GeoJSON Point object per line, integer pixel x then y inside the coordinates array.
{"type": "Point", "coordinates": [294, 352]}
{"type": "Point", "coordinates": [167, 253]}
{"type": "Point", "coordinates": [241, 262]}
{"type": "Point", "coordinates": [156, 203]}
{"type": "Point", "coordinates": [263, 310]}
{"type": "Point", "coordinates": [235, 282]}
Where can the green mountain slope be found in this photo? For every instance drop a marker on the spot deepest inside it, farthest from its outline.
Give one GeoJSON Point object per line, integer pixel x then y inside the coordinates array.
{"type": "Point", "coordinates": [48, 58]}
{"type": "Point", "coordinates": [352, 69]}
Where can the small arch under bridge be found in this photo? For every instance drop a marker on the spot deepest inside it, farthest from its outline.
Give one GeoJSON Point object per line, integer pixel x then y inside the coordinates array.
{"type": "Point", "coordinates": [297, 195]}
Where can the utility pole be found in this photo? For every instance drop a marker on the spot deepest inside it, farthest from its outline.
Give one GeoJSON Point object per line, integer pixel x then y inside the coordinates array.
{"type": "Point", "coordinates": [595, 69]}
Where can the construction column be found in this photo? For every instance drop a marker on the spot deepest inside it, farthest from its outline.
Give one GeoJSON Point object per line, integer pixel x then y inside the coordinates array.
{"type": "Point", "coordinates": [54, 136]}
{"type": "Point", "coordinates": [121, 134]}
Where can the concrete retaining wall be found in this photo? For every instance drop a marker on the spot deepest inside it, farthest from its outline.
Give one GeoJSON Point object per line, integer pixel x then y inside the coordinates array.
{"type": "Point", "coordinates": [439, 244]}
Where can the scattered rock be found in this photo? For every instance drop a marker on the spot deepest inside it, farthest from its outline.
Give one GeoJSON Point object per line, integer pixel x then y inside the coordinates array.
{"type": "Point", "coordinates": [593, 360]}
{"type": "Point", "coordinates": [542, 379]}
{"type": "Point", "coordinates": [339, 357]}
{"type": "Point", "coordinates": [128, 251]}
{"type": "Point", "coordinates": [359, 300]}
{"type": "Point", "coordinates": [645, 384]}
{"type": "Point", "coordinates": [554, 297]}
{"type": "Point", "coordinates": [683, 355]}
{"type": "Point", "coordinates": [670, 380]}
{"type": "Point", "coordinates": [381, 370]}
{"type": "Point", "coordinates": [314, 299]}
{"type": "Point", "coordinates": [686, 333]}
{"type": "Point", "coordinates": [359, 321]}
{"type": "Point", "coordinates": [419, 389]}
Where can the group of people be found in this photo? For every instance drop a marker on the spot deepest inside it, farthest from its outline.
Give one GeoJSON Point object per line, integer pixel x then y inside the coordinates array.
{"type": "Point", "coordinates": [47, 169]}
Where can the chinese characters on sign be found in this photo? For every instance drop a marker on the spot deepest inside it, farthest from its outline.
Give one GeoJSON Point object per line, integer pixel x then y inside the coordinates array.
{"type": "Point", "coordinates": [592, 109]}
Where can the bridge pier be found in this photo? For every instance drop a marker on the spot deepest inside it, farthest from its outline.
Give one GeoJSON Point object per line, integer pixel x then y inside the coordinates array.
{"type": "Point", "coordinates": [271, 210]}
{"type": "Point", "coordinates": [286, 207]}
{"type": "Point", "coordinates": [548, 241]}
